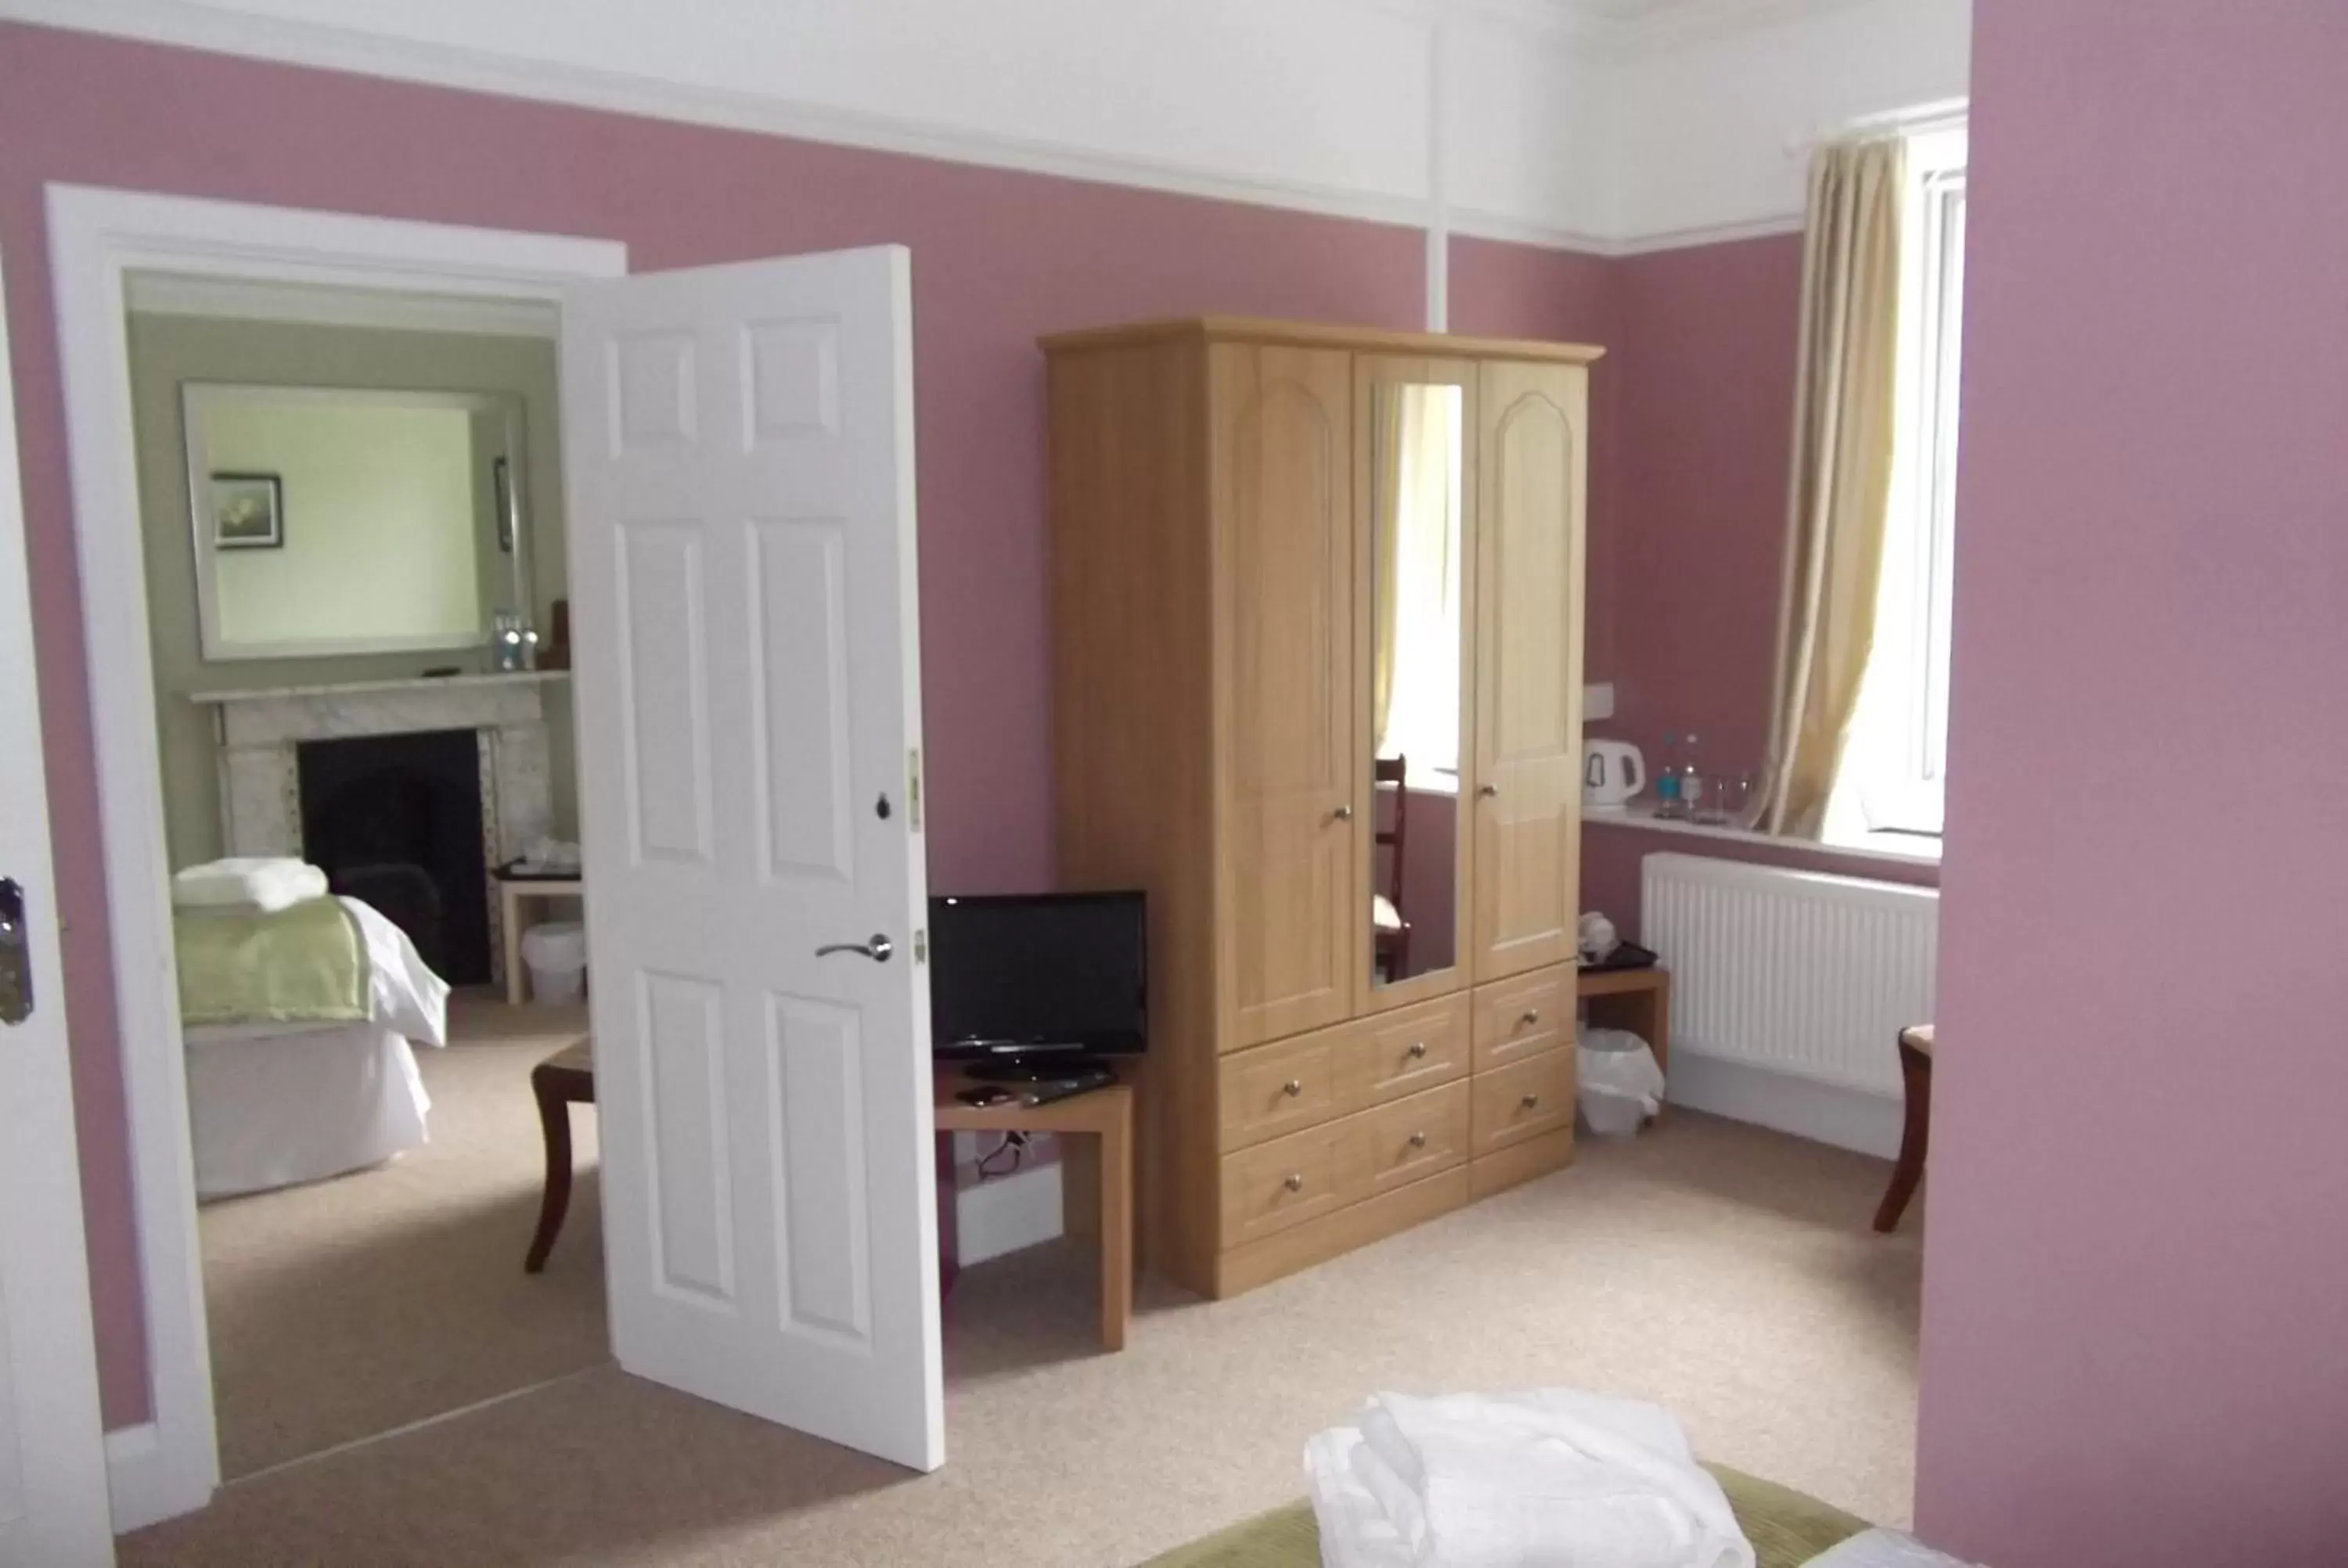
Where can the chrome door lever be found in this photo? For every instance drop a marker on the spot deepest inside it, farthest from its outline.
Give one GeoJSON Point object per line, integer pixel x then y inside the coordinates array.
{"type": "Point", "coordinates": [878, 949]}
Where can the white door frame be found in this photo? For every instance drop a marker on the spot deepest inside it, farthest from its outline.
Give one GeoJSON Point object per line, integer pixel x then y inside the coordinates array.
{"type": "Point", "coordinates": [96, 237]}
{"type": "Point", "coordinates": [52, 1476]}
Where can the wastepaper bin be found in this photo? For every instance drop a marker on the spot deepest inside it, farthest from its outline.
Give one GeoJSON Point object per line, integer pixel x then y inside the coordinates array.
{"type": "Point", "coordinates": [556, 955]}
{"type": "Point", "coordinates": [1620, 1084]}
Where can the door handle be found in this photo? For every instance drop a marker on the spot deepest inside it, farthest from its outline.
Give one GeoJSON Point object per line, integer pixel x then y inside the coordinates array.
{"type": "Point", "coordinates": [1488, 791]}
{"type": "Point", "coordinates": [878, 949]}
{"type": "Point", "coordinates": [1343, 814]}
{"type": "Point", "coordinates": [15, 955]}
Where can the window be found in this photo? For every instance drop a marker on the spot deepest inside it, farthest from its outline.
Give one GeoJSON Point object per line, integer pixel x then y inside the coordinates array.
{"type": "Point", "coordinates": [1894, 768]}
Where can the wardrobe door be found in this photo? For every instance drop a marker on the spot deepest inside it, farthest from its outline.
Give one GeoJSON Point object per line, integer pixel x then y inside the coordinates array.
{"type": "Point", "coordinates": [1413, 599]}
{"type": "Point", "coordinates": [1282, 487]}
{"type": "Point", "coordinates": [1532, 421]}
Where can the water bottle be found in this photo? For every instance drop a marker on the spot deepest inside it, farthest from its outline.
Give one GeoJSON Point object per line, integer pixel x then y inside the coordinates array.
{"type": "Point", "coordinates": [1692, 782]}
{"type": "Point", "coordinates": [1667, 780]}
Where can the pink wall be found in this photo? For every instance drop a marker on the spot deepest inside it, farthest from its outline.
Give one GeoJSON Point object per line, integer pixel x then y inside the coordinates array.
{"type": "Point", "coordinates": [997, 258]}
{"type": "Point", "coordinates": [1708, 339]}
{"type": "Point", "coordinates": [2135, 1291]}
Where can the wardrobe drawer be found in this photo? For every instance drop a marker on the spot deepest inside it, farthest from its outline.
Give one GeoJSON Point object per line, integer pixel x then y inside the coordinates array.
{"type": "Point", "coordinates": [1519, 1017]}
{"type": "Point", "coordinates": [1522, 1101]}
{"type": "Point", "coordinates": [1398, 1143]}
{"type": "Point", "coordinates": [1277, 1089]}
{"type": "Point", "coordinates": [1286, 1181]}
{"type": "Point", "coordinates": [1406, 1052]}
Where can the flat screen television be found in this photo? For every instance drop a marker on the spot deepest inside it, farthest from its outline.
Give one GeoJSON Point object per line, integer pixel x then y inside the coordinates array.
{"type": "Point", "coordinates": [1043, 979]}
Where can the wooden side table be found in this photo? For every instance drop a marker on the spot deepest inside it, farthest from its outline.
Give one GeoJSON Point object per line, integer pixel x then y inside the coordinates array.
{"type": "Point", "coordinates": [1097, 1155]}
{"type": "Point", "coordinates": [1637, 1000]}
{"type": "Point", "coordinates": [513, 892]}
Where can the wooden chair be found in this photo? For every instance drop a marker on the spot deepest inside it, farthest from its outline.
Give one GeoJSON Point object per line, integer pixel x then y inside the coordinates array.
{"type": "Point", "coordinates": [1393, 948]}
{"type": "Point", "coordinates": [1916, 1079]}
{"type": "Point", "coordinates": [561, 1080]}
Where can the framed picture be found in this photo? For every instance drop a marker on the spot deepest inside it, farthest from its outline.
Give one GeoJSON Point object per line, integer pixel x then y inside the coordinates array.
{"type": "Point", "coordinates": [248, 512]}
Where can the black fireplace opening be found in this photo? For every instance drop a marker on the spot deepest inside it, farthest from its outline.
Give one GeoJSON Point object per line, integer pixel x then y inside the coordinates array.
{"type": "Point", "coordinates": [396, 822]}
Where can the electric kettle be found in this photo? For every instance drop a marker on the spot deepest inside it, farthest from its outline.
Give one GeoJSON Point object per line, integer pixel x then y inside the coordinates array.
{"type": "Point", "coordinates": [1611, 772]}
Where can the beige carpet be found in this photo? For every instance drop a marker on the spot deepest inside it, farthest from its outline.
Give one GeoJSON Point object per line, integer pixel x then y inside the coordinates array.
{"type": "Point", "coordinates": [1725, 1271]}
{"type": "Point", "coordinates": [352, 1307]}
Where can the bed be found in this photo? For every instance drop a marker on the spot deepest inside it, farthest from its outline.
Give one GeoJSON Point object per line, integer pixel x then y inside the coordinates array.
{"type": "Point", "coordinates": [274, 1100]}
{"type": "Point", "coordinates": [1786, 1529]}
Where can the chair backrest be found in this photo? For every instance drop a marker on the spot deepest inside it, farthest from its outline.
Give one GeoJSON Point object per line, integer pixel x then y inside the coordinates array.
{"type": "Point", "coordinates": [1393, 771]}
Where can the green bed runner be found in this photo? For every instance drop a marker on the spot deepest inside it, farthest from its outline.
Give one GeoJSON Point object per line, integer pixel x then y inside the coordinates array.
{"type": "Point", "coordinates": [301, 965]}
{"type": "Point", "coordinates": [1786, 1529]}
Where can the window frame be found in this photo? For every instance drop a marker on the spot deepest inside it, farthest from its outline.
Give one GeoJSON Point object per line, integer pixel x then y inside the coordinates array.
{"type": "Point", "coordinates": [1896, 767]}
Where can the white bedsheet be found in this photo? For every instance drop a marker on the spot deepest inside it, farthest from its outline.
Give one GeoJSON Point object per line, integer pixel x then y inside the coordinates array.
{"type": "Point", "coordinates": [273, 1105]}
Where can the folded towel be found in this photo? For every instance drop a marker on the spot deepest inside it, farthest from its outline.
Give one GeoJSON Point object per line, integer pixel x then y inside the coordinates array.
{"type": "Point", "coordinates": [1355, 1532]}
{"type": "Point", "coordinates": [1553, 1476]}
{"type": "Point", "coordinates": [249, 883]}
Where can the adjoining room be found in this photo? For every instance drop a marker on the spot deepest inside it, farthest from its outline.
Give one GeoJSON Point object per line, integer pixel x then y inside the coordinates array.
{"type": "Point", "coordinates": [346, 497]}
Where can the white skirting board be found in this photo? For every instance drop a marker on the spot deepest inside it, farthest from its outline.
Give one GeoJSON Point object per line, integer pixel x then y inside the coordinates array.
{"type": "Point", "coordinates": [1822, 1113]}
{"type": "Point", "coordinates": [1004, 1213]}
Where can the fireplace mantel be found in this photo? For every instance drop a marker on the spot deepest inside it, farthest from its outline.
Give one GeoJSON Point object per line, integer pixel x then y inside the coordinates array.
{"type": "Point", "coordinates": [357, 688]}
{"type": "Point", "coordinates": [260, 731]}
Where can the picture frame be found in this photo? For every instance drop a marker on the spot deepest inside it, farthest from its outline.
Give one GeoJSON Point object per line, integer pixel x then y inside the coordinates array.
{"type": "Point", "coordinates": [247, 511]}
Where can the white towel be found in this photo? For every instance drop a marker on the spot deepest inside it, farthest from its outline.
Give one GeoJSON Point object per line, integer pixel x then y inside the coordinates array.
{"type": "Point", "coordinates": [1885, 1549]}
{"type": "Point", "coordinates": [248, 883]}
{"type": "Point", "coordinates": [1553, 1479]}
{"type": "Point", "coordinates": [1355, 1532]}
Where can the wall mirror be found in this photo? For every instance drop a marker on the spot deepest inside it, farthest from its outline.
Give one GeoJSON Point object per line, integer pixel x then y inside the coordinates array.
{"type": "Point", "coordinates": [333, 521]}
{"type": "Point", "coordinates": [1417, 505]}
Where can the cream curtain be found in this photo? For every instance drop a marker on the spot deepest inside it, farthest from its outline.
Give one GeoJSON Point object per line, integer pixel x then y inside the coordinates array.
{"type": "Point", "coordinates": [1841, 486]}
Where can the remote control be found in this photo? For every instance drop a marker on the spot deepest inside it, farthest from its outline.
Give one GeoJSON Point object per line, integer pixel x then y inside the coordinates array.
{"type": "Point", "coordinates": [1051, 1089]}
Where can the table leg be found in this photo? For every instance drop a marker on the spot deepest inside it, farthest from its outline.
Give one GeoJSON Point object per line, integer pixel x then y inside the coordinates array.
{"type": "Point", "coordinates": [513, 946]}
{"type": "Point", "coordinates": [1117, 1230]}
{"type": "Point", "coordinates": [554, 1120]}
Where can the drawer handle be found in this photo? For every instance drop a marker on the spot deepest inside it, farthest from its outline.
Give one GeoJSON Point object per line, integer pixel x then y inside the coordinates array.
{"type": "Point", "coordinates": [1418, 1049]}
{"type": "Point", "coordinates": [1418, 1139]}
{"type": "Point", "coordinates": [1292, 1088]}
{"type": "Point", "coordinates": [1295, 1184]}
{"type": "Point", "coordinates": [1532, 1016]}
{"type": "Point", "coordinates": [1531, 1102]}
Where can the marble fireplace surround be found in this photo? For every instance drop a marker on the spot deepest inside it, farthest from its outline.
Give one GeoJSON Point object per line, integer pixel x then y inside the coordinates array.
{"type": "Point", "coordinates": [259, 733]}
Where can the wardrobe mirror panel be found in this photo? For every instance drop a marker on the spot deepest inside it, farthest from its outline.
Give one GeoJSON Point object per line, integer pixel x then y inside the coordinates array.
{"type": "Point", "coordinates": [1417, 505]}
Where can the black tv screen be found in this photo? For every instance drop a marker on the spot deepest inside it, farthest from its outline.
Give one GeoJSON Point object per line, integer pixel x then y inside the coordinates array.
{"type": "Point", "coordinates": [1057, 971]}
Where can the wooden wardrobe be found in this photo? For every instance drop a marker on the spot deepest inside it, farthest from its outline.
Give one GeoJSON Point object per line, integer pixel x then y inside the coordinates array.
{"type": "Point", "coordinates": [1317, 596]}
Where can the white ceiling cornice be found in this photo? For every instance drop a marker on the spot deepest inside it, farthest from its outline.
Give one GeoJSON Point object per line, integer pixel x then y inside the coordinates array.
{"type": "Point", "coordinates": [1522, 137]}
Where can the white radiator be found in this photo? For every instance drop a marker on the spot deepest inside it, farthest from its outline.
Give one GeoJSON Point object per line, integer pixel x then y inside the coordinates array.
{"type": "Point", "coordinates": [1791, 972]}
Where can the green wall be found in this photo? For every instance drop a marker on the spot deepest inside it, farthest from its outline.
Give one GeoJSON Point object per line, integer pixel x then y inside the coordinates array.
{"type": "Point", "coordinates": [166, 351]}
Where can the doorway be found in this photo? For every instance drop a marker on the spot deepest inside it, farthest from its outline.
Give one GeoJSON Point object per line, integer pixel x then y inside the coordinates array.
{"type": "Point", "coordinates": [343, 494]}
{"type": "Point", "coordinates": [102, 243]}
{"type": "Point", "coordinates": [745, 524]}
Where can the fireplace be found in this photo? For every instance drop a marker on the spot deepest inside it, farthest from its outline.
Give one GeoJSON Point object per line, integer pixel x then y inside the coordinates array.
{"type": "Point", "coordinates": [397, 820]}
{"type": "Point", "coordinates": [493, 725]}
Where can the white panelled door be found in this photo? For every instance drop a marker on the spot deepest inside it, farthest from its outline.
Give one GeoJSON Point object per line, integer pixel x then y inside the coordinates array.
{"type": "Point", "coordinates": [53, 1504]}
{"type": "Point", "coordinates": [740, 462]}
